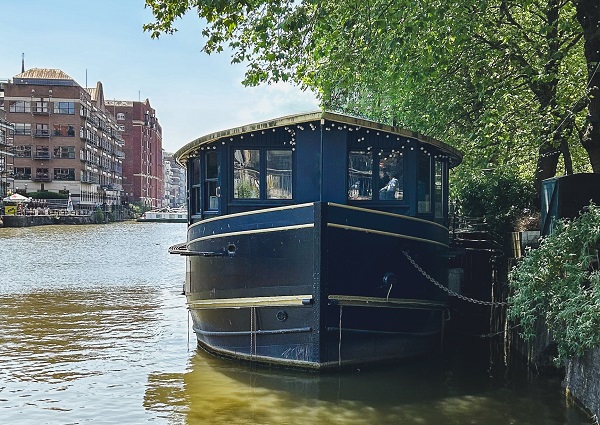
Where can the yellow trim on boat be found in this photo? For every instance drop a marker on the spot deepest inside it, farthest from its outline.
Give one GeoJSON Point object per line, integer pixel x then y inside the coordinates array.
{"type": "Point", "coordinates": [241, 214]}
{"type": "Point", "coordinates": [357, 301]}
{"type": "Point", "coordinates": [276, 301]}
{"type": "Point", "coordinates": [249, 232]}
{"type": "Point", "coordinates": [381, 232]}
{"type": "Point", "coordinates": [369, 210]}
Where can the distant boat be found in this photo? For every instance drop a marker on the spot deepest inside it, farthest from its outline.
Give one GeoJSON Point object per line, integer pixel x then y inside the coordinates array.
{"type": "Point", "coordinates": [165, 215]}
{"type": "Point", "coordinates": [317, 240]}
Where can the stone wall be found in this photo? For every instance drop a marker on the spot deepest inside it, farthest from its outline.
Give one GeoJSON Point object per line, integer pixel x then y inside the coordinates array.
{"type": "Point", "coordinates": [43, 220]}
{"type": "Point", "coordinates": [582, 381]}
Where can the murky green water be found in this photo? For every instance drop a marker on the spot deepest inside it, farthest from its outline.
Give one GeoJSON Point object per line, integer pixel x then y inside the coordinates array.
{"type": "Point", "coordinates": [93, 329]}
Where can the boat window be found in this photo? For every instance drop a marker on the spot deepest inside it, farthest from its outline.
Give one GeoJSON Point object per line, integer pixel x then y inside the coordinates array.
{"type": "Point", "coordinates": [360, 175]}
{"type": "Point", "coordinates": [196, 171]}
{"type": "Point", "coordinates": [211, 182]}
{"type": "Point", "coordinates": [246, 174]}
{"type": "Point", "coordinates": [438, 195]}
{"type": "Point", "coordinates": [424, 184]}
{"type": "Point", "coordinates": [391, 176]}
{"type": "Point", "coordinates": [279, 174]}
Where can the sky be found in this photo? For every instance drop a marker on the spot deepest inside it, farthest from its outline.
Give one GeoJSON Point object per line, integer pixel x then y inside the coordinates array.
{"type": "Point", "coordinates": [193, 93]}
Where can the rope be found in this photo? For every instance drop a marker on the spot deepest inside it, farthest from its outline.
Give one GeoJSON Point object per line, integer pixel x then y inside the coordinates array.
{"type": "Point", "coordinates": [448, 291]}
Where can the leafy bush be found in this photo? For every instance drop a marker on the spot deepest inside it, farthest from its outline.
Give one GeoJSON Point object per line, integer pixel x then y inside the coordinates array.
{"type": "Point", "coordinates": [498, 196]}
{"type": "Point", "coordinates": [559, 283]}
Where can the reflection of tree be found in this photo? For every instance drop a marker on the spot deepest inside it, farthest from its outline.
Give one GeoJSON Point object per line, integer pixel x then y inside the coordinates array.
{"type": "Point", "coordinates": [246, 175]}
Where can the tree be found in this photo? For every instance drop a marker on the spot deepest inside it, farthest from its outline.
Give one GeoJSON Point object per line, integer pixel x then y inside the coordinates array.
{"type": "Point", "coordinates": [505, 78]}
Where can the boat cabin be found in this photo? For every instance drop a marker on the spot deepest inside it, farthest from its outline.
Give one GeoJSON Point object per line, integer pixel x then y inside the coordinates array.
{"type": "Point", "coordinates": [318, 157]}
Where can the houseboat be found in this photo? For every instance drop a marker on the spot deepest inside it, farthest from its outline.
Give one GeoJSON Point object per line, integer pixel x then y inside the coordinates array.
{"type": "Point", "coordinates": [164, 215]}
{"type": "Point", "coordinates": [317, 241]}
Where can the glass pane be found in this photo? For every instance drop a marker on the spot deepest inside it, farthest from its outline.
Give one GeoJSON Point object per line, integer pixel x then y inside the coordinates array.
{"type": "Point", "coordinates": [424, 184]}
{"type": "Point", "coordinates": [391, 176]}
{"type": "Point", "coordinates": [246, 174]}
{"type": "Point", "coordinates": [439, 189]}
{"type": "Point", "coordinates": [211, 196]}
{"type": "Point", "coordinates": [212, 167]}
{"type": "Point", "coordinates": [360, 175]}
{"type": "Point", "coordinates": [195, 171]}
{"type": "Point", "coordinates": [279, 174]}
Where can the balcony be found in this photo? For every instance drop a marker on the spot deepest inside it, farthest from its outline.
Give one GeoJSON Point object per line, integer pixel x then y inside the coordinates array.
{"type": "Point", "coordinates": [42, 177]}
{"type": "Point", "coordinates": [41, 133]}
{"type": "Point", "coordinates": [41, 155]}
{"type": "Point", "coordinates": [89, 179]}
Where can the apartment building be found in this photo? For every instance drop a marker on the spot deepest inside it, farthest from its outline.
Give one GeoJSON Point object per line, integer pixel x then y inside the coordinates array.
{"type": "Point", "coordinates": [6, 154]}
{"type": "Point", "coordinates": [143, 175]}
{"type": "Point", "coordinates": [175, 182]}
{"type": "Point", "coordinates": [64, 138]}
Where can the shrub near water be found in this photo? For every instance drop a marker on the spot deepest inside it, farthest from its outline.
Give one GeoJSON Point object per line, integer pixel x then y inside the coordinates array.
{"type": "Point", "coordinates": [498, 196]}
{"type": "Point", "coordinates": [559, 283]}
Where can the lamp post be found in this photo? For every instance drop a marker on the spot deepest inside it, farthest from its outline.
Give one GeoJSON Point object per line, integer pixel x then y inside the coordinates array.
{"type": "Point", "coordinates": [25, 188]}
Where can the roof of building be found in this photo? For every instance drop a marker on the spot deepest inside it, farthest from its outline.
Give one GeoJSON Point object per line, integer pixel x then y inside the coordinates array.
{"type": "Point", "coordinates": [44, 73]}
{"type": "Point", "coordinates": [44, 76]}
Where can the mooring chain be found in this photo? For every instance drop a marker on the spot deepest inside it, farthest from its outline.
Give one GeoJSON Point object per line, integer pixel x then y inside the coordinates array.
{"type": "Point", "coordinates": [449, 291]}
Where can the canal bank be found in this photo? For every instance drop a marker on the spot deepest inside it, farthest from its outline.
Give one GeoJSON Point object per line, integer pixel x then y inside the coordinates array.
{"type": "Point", "coordinates": [44, 220]}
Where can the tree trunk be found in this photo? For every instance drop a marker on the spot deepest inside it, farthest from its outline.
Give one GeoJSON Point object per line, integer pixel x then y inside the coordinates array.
{"type": "Point", "coordinates": [588, 15]}
{"type": "Point", "coordinates": [546, 165]}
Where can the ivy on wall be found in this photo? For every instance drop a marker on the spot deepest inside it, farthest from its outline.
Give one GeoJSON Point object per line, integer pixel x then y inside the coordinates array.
{"type": "Point", "coordinates": [559, 283]}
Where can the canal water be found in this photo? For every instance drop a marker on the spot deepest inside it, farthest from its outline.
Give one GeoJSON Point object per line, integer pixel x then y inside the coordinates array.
{"type": "Point", "coordinates": [94, 330]}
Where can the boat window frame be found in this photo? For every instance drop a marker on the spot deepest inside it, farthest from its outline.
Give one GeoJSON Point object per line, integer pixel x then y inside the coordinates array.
{"type": "Point", "coordinates": [262, 198]}
{"type": "Point", "coordinates": [376, 179]}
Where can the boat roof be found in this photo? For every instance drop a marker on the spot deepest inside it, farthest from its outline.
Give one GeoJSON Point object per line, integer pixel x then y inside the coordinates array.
{"type": "Point", "coordinates": [189, 149]}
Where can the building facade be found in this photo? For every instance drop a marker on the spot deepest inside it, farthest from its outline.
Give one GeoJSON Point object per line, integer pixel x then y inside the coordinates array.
{"type": "Point", "coordinates": [64, 138]}
{"type": "Point", "coordinates": [175, 180]}
{"type": "Point", "coordinates": [143, 175]}
{"type": "Point", "coordinates": [6, 155]}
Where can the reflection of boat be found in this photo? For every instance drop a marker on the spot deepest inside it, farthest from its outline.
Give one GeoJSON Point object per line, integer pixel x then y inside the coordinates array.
{"type": "Point", "coordinates": [165, 215]}
{"type": "Point", "coordinates": [290, 262]}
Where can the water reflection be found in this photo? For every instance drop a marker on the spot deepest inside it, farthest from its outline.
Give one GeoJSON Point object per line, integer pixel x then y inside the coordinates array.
{"type": "Point", "coordinates": [421, 391]}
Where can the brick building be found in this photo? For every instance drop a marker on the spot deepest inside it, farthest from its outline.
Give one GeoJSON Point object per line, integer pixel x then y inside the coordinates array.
{"type": "Point", "coordinates": [64, 138]}
{"type": "Point", "coordinates": [143, 175]}
{"type": "Point", "coordinates": [6, 155]}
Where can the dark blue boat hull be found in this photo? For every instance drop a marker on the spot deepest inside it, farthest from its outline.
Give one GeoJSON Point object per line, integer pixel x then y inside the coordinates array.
{"type": "Point", "coordinates": [316, 285]}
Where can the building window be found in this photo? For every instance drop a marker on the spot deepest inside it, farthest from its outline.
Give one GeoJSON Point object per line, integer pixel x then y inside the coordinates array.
{"type": "Point", "coordinates": [19, 106]}
{"type": "Point", "coordinates": [120, 116]}
{"type": "Point", "coordinates": [64, 130]}
{"type": "Point", "coordinates": [22, 173]}
{"type": "Point", "coordinates": [246, 174]}
{"type": "Point", "coordinates": [279, 174]}
{"type": "Point", "coordinates": [42, 174]}
{"type": "Point", "coordinates": [40, 107]}
{"type": "Point", "coordinates": [66, 152]}
{"type": "Point", "coordinates": [41, 130]}
{"type": "Point", "coordinates": [67, 108]}
{"type": "Point", "coordinates": [64, 174]}
{"type": "Point", "coordinates": [42, 152]}
{"type": "Point", "coordinates": [23, 129]}
{"type": "Point", "coordinates": [23, 151]}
